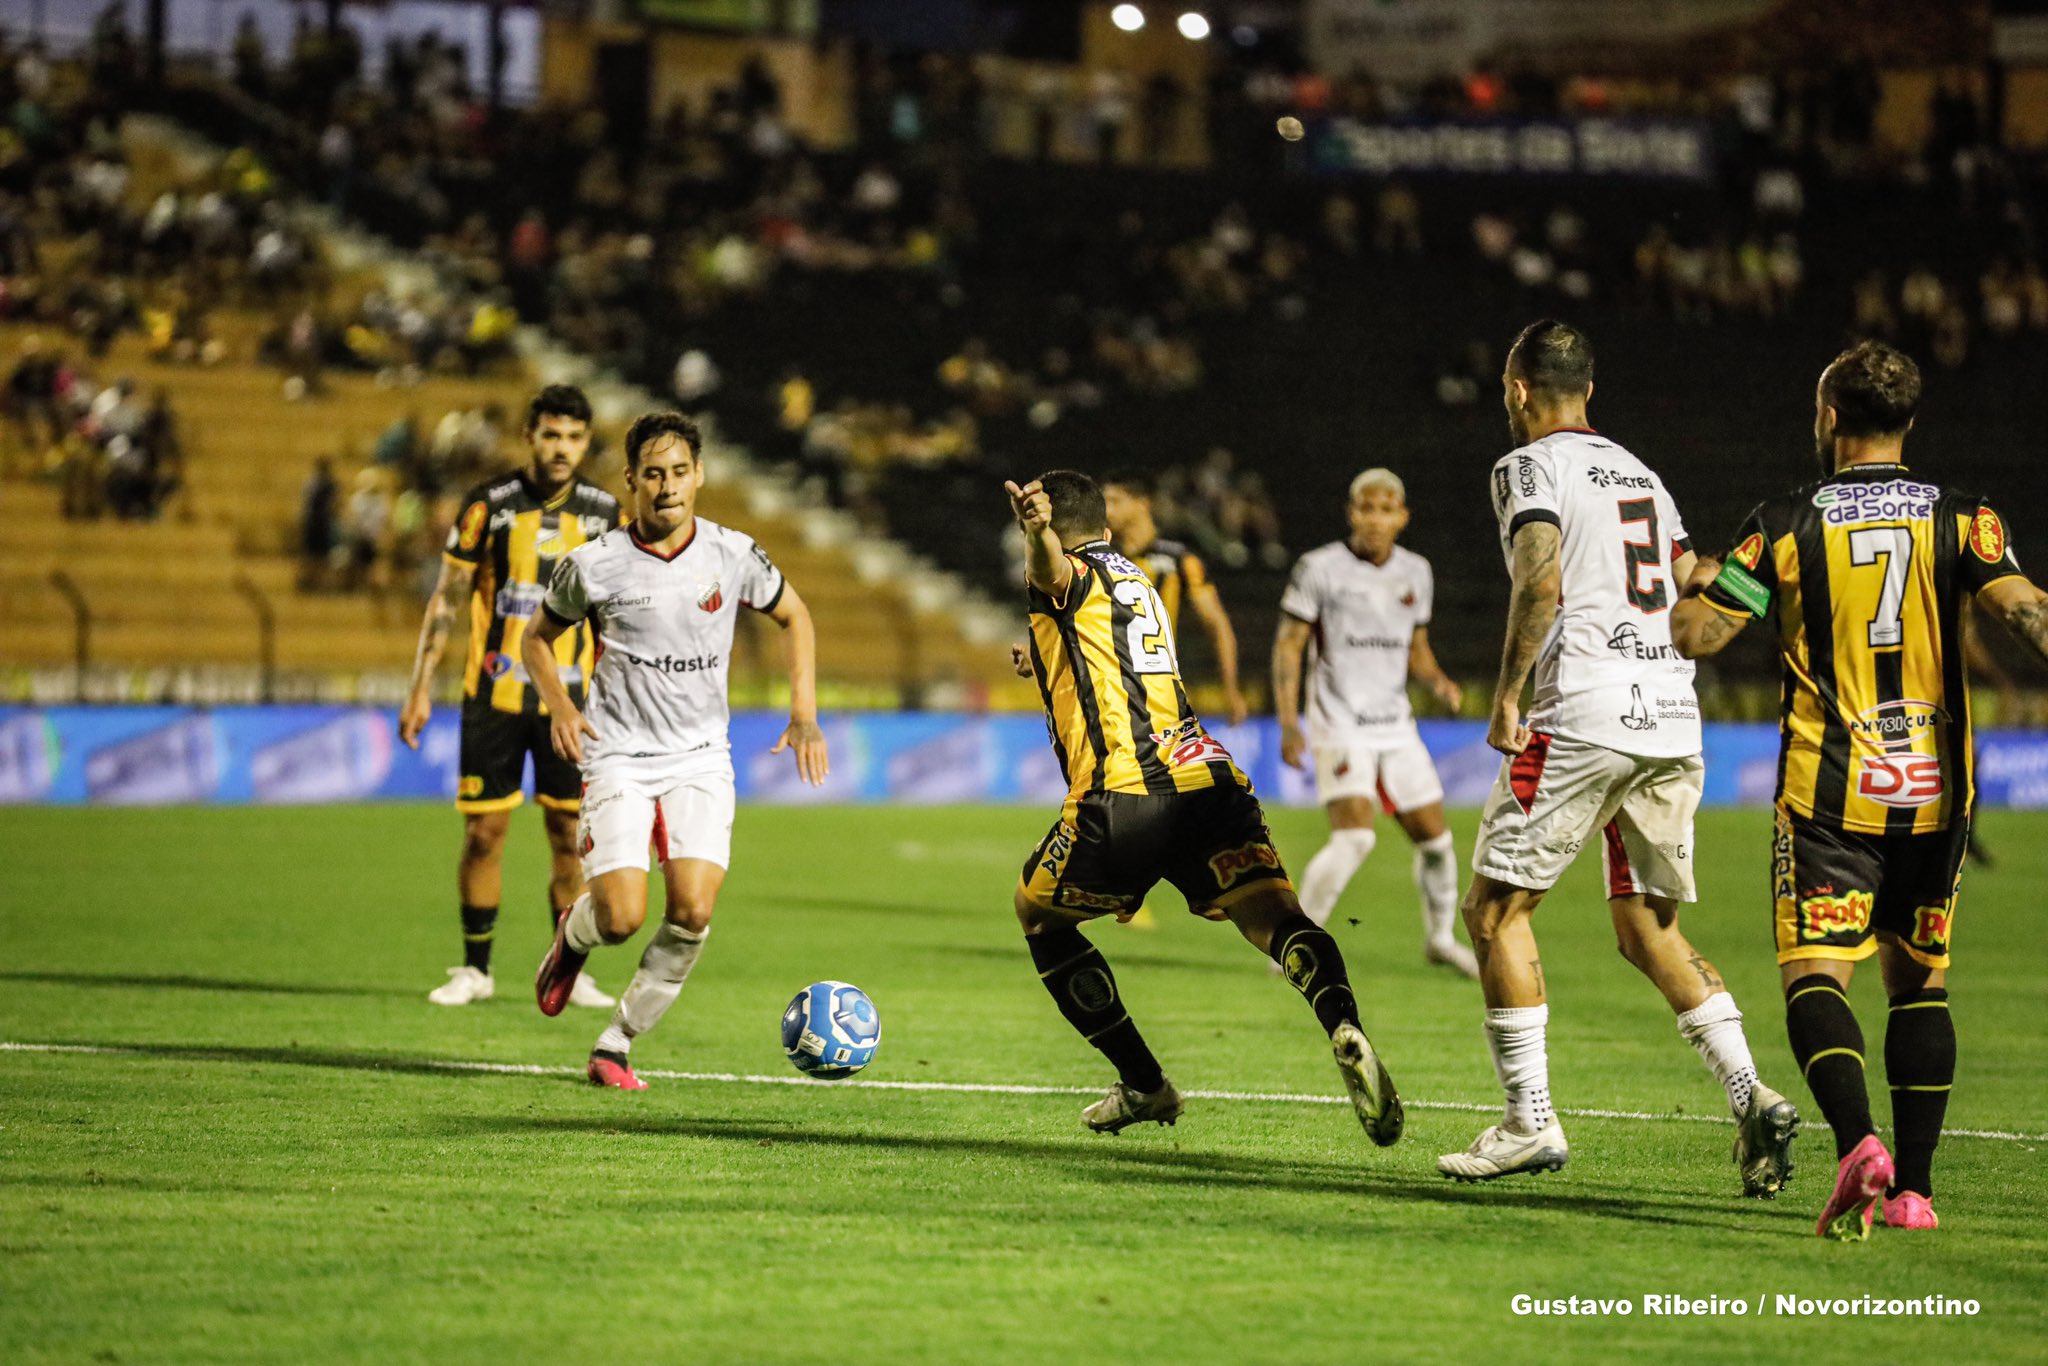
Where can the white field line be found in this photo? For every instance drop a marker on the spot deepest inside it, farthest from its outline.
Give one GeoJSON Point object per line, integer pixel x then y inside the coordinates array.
{"type": "Point", "coordinates": [527, 1069]}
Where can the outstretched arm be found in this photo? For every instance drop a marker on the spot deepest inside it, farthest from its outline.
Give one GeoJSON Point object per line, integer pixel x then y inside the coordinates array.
{"type": "Point", "coordinates": [451, 595]}
{"type": "Point", "coordinates": [1046, 566]}
{"type": "Point", "coordinates": [803, 733]}
{"type": "Point", "coordinates": [1532, 606]}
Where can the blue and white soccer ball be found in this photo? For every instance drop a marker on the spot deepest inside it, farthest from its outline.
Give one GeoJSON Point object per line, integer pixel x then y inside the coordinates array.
{"type": "Point", "coordinates": [831, 1030]}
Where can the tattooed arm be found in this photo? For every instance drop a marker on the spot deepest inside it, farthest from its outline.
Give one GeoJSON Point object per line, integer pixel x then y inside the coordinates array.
{"type": "Point", "coordinates": [451, 598]}
{"type": "Point", "coordinates": [1698, 628]}
{"type": "Point", "coordinates": [1532, 606]}
{"type": "Point", "coordinates": [2023, 608]}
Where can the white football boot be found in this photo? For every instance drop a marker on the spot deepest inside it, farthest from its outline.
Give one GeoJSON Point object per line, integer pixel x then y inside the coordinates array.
{"type": "Point", "coordinates": [586, 992]}
{"type": "Point", "coordinates": [464, 985]}
{"type": "Point", "coordinates": [1123, 1107]}
{"type": "Point", "coordinates": [1501, 1151]}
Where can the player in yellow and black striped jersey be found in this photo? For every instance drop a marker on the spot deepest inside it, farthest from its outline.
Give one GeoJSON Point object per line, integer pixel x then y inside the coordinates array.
{"type": "Point", "coordinates": [501, 553]}
{"type": "Point", "coordinates": [1150, 795]}
{"type": "Point", "coordinates": [1863, 575]}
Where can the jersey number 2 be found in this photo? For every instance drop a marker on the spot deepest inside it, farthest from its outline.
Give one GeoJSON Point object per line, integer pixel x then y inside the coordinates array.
{"type": "Point", "coordinates": [1891, 546]}
{"type": "Point", "coordinates": [1148, 624]}
{"type": "Point", "coordinates": [1644, 554]}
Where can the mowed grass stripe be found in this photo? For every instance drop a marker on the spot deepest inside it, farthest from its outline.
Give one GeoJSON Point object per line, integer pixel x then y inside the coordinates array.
{"type": "Point", "coordinates": [517, 1069]}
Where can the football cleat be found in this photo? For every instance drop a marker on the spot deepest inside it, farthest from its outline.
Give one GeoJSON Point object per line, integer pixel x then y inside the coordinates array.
{"type": "Point", "coordinates": [1909, 1210]}
{"type": "Point", "coordinates": [1763, 1143]}
{"type": "Point", "coordinates": [464, 985]}
{"type": "Point", "coordinates": [558, 972]}
{"type": "Point", "coordinates": [1501, 1151]}
{"type": "Point", "coordinates": [1451, 954]}
{"type": "Point", "coordinates": [588, 994]}
{"type": "Point", "coordinates": [1372, 1090]}
{"type": "Point", "coordinates": [1123, 1107]}
{"type": "Point", "coordinates": [1860, 1183]}
{"type": "Point", "coordinates": [612, 1069]}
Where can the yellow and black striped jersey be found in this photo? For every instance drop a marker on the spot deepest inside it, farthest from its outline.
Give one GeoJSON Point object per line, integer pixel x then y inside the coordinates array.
{"type": "Point", "coordinates": [1109, 678]}
{"type": "Point", "coordinates": [1863, 575]}
{"type": "Point", "coordinates": [512, 536]}
{"type": "Point", "coordinates": [1175, 571]}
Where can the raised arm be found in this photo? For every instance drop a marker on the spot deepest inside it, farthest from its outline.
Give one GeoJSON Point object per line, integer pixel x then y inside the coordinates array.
{"type": "Point", "coordinates": [1424, 669]}
{"type": "Point", "coordinates": [1532, 606]}
{"type": "Point", "coordinates": [1046, 566]}
{"type": "Point", "coordinates": [566, 725]}
{"type": "Point", "coordinates": [1208, 605]}
{"type": "Point", "coordinates": [1288, 644]}
{"type": "Point", "coordinates": [444, 610]}
{"type": "Point", "coordinates": [803, 733]}
{"type": "Point", "coordinates": [2021, 607]}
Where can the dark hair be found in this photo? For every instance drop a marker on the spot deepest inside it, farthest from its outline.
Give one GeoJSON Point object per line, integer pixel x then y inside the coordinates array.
{"type": "Point", "coordinates": [1552, 358]}
{"type": "Point", "coordinates": [1136, 482]}
{"type": "Point", "coordinates": [649, 428]}
{"type": "Point", "coordinates": [1873, 388]}
{"type": "Point", "coordinates": [557, 400]}
{"type": "Point", "coordinates": [1076, 503]}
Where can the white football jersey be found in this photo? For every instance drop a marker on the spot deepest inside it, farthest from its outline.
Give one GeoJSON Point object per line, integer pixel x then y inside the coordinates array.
{"type": "Point", "coordinates": [1365, 616]}
{"type": "Point", "coordinates": [1608, 673]}
{"type": "Point", "coordinates": [664, 638]}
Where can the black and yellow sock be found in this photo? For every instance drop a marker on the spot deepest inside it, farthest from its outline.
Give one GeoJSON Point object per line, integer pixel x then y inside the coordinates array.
{"type": "Point", "coordinates": [1084, 989]}
{"type": "Point", "coordinates": [1828, 1045]}
{"type": "Point", "coordinates": [1308, 954]}
{"type": "Point", "coordinates": [479, 924]}
{"type": "Point", "coordinates": [1920, 1065]}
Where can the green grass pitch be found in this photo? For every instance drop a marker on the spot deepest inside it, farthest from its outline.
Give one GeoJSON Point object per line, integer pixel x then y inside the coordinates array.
{"type": "Point", "coordinates": [272, 1169]}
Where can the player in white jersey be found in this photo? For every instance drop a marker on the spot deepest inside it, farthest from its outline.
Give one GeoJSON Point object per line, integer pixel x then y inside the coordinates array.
{"type": "Point", "coordinates": [1597, 554]}
{"type": "Point", "coordinates": [1365, 604]}
{"type": "Point", "coordinates": [663, 594]}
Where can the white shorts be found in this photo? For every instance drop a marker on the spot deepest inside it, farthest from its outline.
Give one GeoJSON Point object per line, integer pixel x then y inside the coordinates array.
{"type": "Point", "coordinates": [629, 814]}
{"type": "Point", "coordinates": [1550, 799]}
{"type": "Point", "coordinates": [1398, 771]}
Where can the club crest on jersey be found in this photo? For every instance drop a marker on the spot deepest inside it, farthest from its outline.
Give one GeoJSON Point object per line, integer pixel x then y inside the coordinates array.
{"type": "Point", "coordinates": [472, 528]}
{"type": "Point", "coordinates": [712, 598]}
{"type": "Point", "coordinates": [1750, 551]}
{"type": "Point", "coordinates": [1407, 596]}
{"type": "Point", "coordinates": [1987, 536]}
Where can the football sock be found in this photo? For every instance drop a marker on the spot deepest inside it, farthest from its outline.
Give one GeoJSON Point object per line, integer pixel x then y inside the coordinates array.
{"type": "Point", "coordinates": [1515, 1035]}
{"type": "Point", "coordinates": [664, 966]}
{"type": "Point", "coordinates": [1714, 1029]}
{"type": "Point", "coordinates": [555, 910]}
{"type": "Point", "coordinates": [1920, 1064]}
{"type": "Point", "coordinates": [1084, 989]}
{"type": "Point", "coordinates": [581, 932]}
{"type": "Point", "coordinates": [1309, 956]}
{"type": "Point", "coordinates": [479, 925]}
{"type": "Point", "coordinates": [1323, 881]}
{"type": "Point", "coordinates": [1827, 1043]}
{"type": "Point", "coordinates": [1436, 877]}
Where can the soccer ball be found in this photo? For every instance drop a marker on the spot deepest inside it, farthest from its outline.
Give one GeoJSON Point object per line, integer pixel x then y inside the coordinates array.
{"type": "Point", "coordinates": [831, 1030]}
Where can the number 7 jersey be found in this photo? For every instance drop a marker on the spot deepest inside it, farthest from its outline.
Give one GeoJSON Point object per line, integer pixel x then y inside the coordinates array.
{"type": "Point", "coordinates": [1608, 673]}
{"type": "Point", "coordinates": [1863, 574]}
{"type": "Point", "coordinates": [1109, 679]}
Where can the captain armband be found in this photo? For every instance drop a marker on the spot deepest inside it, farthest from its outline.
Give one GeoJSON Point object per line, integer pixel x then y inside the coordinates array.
{"type": "Point", "coordinates": [1735, 586]}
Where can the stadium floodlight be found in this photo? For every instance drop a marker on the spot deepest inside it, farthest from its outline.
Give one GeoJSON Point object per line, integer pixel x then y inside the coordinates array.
{"type": "Point", "coordinates": [1194, 27]}
{"type": "Point", "coordinates": [1129, 18]}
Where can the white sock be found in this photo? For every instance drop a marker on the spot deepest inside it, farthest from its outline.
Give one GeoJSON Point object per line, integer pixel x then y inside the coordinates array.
{"type": "Point", "coordinates": [1323, 881]}
{"type": "Point", "coordinates": [1436, 877]}
{"type": "Point", "coordinates": [664, 966]}
{"type": "Point", "coordinates": [1516, 1037]}
{"type": "Point", "coordinates": [1714, 1028]}
{"type": "Point", "coordinates": [581, 932]}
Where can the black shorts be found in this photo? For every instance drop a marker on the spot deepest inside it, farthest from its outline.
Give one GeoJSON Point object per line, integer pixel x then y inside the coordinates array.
{"type": "Point", "coordinates": [1835, 890]}
{"type": "Point", "coordinates": [1108, 849]}
{"type": "Point", "coordinates": [494, 749]}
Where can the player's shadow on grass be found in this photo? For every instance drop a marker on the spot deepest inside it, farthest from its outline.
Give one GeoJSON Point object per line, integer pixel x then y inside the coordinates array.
{"type": "Point", "coordinates": [1124, 1160]}
{"type": "Point", "coordinates": [178, 982]}
{"type": "Point", "coordinates": [1245, 965]}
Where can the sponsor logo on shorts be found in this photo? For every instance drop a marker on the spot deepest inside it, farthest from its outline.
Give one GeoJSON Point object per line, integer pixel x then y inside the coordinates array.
{"type": "Point", "coordinates": [1823, 916]}
{"type": "Point", "coordinates": [1987, 536]}
{"type": "Point", "coordinates": [1088, 901]}
{"type": "Point", "coordinates": [471, 787]}
{"type": "Point", "coordinates": [1900, 780]}
{"type": "Point", "coordinates": [1059, 846]}
{"type": "Point", "coordinates": [712, 598]}
{"type": "Point", "coordinates": [1627, 641]}
{"type": "Point", "coordinates": [1782, 888]}
{"type": "Point", "coordinates": [1232, 864]}
{"type": "Point", "coordinates": [1930, 928]}
{"type": "Point", "coordinates": [1751, 552]}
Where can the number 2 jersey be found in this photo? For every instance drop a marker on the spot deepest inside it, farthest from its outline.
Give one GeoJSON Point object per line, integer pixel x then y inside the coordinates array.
{"type": "Point", "coordinates": [1608, 673]}
{"type": "Point", "coordinates": [1109, 679]}
{"type": "Point", "coordinates": [1863, 575]}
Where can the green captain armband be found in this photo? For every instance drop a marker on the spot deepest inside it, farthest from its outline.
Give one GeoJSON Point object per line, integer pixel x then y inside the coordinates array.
{"type": "Point", "coordinates": [1742, 588]}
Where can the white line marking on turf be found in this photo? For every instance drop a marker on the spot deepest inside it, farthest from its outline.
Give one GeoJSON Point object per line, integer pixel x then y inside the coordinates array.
{"type": "Point", "coordinates": [529, 1069]}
